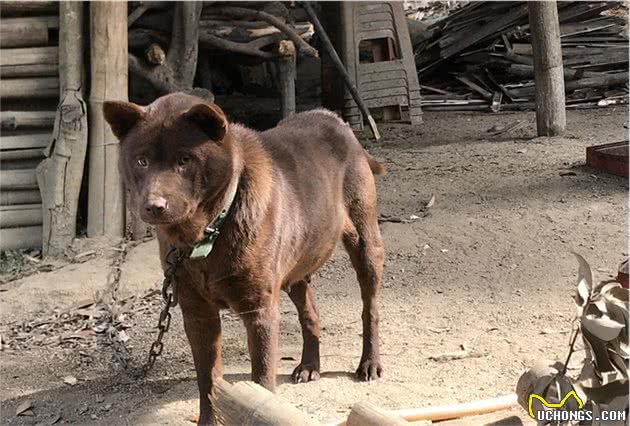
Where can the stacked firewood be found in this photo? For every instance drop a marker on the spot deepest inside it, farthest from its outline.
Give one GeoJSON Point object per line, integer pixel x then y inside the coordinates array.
{"type": "Point", "coordinates": [29, 92]}
{"type": "Point", "coordinates": [480, 56]}
{"type": "Point", "coordinates": [226, 32]}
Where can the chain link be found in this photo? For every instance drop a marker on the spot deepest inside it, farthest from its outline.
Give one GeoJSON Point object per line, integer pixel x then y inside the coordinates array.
{"type": "Point", "coordinates": [174, 258]}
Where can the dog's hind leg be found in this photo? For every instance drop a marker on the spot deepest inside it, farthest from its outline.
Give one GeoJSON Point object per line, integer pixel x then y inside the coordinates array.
{"type": "Point", "coordinates": [302, 296]}
{"type": "Point", "coordinates": [363, 242]}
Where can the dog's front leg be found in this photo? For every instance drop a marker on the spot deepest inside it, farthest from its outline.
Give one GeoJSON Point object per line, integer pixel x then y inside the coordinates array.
{"type": "Point", "coordinates": [203, 330]}
{"type": "Point", "coordinates": [262, 341]}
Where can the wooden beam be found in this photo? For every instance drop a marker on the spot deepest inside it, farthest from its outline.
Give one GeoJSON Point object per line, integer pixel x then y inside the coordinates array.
{"type": "Point", "coordinates": [108, 36]}
{"type": "Point", "coordinates": [61, 173]}
{"type": "Point", "coordinates": [43, 87]}
{"type": "Point", "coordinates": [35, 140]}
{"type": "Point", "coordinates": [32, 70]}
{"type": "Point", "coordinates": [23, 32]}
{"type": "Point", "coordinates": [20, 238]}
{"type": "Point", "coordinates": [21, 154]}
{"type": "Point", "coordinates": [10, 8]}
{"type": "Point", "coordinates": [20, 215]}
{"type": "Point", "coordinates": [551, 117]}
{"type": "Point", "coordinates": [30, 196]}
{"type": "Point", "coordinates": [17, 179]}
{"type": "Point", "coordinates": [29, 56]}
{"type": "Point", "coordinates": [12, 120]}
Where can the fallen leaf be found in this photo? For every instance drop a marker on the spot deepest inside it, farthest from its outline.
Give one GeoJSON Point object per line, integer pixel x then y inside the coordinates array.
{"type": "Point", "coordinates": [431, 202]}
{"type": "Point", "coordinates": [23, 407]}
{"type": "Point", "coordinates": [56, 419]}
{"type": "Point", "coordinates": [70, 380]}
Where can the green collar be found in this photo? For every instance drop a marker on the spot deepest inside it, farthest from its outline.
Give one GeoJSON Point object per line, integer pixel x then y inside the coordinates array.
{"type": "Point", "coordinates": [203, 247]}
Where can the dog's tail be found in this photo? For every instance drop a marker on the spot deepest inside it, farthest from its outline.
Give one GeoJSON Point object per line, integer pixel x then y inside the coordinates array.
{"type": "Point", "coordinates": [377, 168]}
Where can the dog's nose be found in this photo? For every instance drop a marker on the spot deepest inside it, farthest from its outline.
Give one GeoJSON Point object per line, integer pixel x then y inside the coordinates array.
{"type": "Point", "coordinates": [156, 205]}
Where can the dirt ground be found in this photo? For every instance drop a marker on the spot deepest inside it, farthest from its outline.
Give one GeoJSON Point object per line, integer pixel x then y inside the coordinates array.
{"type": "Point", "coordinates": [489, 266]}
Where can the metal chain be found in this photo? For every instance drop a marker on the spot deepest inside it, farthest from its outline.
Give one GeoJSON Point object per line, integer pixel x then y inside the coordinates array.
{"type": "Point", "coordinates": [174, 258]}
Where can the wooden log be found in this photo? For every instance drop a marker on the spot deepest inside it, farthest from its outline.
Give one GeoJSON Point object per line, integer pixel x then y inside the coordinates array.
{"type": "Point", "coordinates": [29, 141]}
{"type": "Point", "coordinates": [500, 418]}
{"type": "Point", "coordinates": [61, 173]}
{"type": "Point", "coordinates": [20, 215]}
{"type": "Point", "coordinates": [12, 8]}
{"type": "Point", "coordinates": [286, 78]}
{"type": "Point", "coordinates": [459, 410]}
{"type": "Point", "coordinates": [41, 87]}
{"type": "Point", "coordinates": [21, 154]}
{"type": "Point", "coordinates": [17, 179]}
{"type": "Point", "coordinates": [30, 196]}
{"type": "Point", "coordinates": [11, 120]}
{"type": "Point", "coordinates": [365, 414]}
{"type": "Point", "coordinates": [29, 56]}
{"type": "Point", "coordinates": [551, 117]}
{"type": "Point", "coordinates": [248, 404]}
{"type": "Point", "coordinates": [33, 70]}
{"type": "Point", "coordinates": [23, 32]}
{"type": "Point", "coordinates": [20, 238]}
{"type": "Point", "coordinates": [251, 14]}
{"type": "Point", "coordinates": [108, 37]}
{"type": "Point", "coordinates": [52, 21]}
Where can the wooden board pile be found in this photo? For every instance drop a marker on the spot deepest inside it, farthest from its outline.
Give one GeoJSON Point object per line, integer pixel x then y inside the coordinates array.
{"type": "Point", "coordinates": [29, 91]}
{"type": "Point", "coordinates": [480, 57]}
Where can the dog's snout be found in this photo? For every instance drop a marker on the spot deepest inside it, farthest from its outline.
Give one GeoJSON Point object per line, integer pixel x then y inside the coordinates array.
{"type": "Point", "coordinates": [156, 205]}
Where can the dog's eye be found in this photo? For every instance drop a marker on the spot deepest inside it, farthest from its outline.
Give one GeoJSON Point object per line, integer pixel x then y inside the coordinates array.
{"type": "Point", "coordinates": [184, 159]}
{"type": "Point", "coordinates": [142, 161]}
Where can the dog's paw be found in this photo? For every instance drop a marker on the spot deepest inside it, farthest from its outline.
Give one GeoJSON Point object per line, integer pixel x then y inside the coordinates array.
{"type": "Point", "coordinates": [369, 370]}
{"type": "Point", "coordinates": [304, 373]}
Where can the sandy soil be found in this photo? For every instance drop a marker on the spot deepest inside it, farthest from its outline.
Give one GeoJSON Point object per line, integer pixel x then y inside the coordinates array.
{"type": "Point", "coordinates": [489, 266]}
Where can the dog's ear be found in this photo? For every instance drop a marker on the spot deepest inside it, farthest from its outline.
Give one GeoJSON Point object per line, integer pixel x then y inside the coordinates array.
{"type": "Point", "coordinates": [210, 118]}
{"type": "Point", "coordinates": [122, 116]}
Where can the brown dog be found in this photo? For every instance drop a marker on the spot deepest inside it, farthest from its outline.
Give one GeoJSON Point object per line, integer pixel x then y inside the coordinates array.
{"type": "Point", "coordinates": [290, 194]}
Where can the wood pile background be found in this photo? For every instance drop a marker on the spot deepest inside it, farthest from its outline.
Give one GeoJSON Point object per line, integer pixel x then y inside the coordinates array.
{"type": "Point", "coordinates": [29, 92]}
{"type": "Point", "coordinates": [480, 56]}
{"type": "Point", "coordinates": [239, 42]}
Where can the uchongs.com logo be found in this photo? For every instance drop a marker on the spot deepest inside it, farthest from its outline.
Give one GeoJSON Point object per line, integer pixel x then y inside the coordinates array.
{"type": "Point", "coordinates": [559, 412]}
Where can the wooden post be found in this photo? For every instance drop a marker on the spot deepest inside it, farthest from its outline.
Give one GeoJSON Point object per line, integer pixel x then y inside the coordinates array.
{"type": "Point", "coordinates": [286, 78]}
{"type": "Point", "coordinates": [60, 174]}
{"type": "Point", "coordinates": [106, 200]}
{"type": "Point", "coordinates": [549, 75]}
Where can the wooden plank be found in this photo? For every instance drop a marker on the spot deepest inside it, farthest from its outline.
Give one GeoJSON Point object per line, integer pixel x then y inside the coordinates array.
{"type": "Point", "coordinates": [10, 8]}
{"type": "Point", "coordinates": [32, 70]}
{"type": "Point", "coordinates": [22, 154]}
{"type": "Point", "coordinates": [34, 140]}
{"type": "Point", "coordinates": [20, 197]}
{"type": "Point", "coordinates": [12, 120]}
{"type": "Point", "coordinates": [41, 87]}
{"type": "Point", "coordinates": [20, 215]}
{"type": "Point", "coordinates": [20, 238]}
{"type": "Point", "coordinates": [29, 56]}
{"type": "Point", "coordinates": [17, 179]}
{"type": "Point", "coordinates": [23, 32]}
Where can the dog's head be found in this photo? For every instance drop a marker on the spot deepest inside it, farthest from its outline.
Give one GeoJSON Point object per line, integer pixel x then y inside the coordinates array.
{"type": "Point", "coordinates": [175, 154]}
